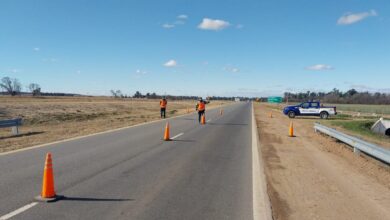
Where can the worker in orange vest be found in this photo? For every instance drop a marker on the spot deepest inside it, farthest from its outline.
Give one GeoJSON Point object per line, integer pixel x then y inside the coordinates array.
{"type": "Point", "coordinates": [201, 108]}
{"type": "Point", "coordinates": [163, 107]}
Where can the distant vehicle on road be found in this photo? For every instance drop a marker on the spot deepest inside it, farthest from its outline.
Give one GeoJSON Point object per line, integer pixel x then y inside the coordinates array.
{"type": "Point", "coordinates": [310, 109]}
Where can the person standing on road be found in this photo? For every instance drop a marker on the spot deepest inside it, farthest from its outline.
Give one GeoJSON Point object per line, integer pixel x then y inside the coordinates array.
{"type": "Point", "coordinates": [163, 107]}
{"type": "Point", "coordinates": [201, 108]}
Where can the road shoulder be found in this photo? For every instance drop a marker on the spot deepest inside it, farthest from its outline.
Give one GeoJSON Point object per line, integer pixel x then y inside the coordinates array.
{"type": "Point", "coordinates": [261, 203]}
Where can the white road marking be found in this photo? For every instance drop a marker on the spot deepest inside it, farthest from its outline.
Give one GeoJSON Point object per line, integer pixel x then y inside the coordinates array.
{"type": "Point", "coordinates": [18, 211]}
{"type": "Point", "coordinates": [177, 136]}
{"type": "Point", "coordinates": [261, 203]}
{"type": "Point", "coordinates": [208, 120]}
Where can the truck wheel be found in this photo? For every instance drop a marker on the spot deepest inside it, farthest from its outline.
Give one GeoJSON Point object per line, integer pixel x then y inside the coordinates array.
{"type": "Point", "coordinates": [324, 115]}
{"type": "Point", "coordinates": [291, 114]}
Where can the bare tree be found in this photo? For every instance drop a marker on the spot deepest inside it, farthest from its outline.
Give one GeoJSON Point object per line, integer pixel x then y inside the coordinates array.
{"type": "Point", "coordinates": [12, 86]}
{"type": "Point", "coordinates": [35, 89]}
{"type": "Point", "coordinates": [113, 93]}
{"type": "Point", "coordinates": [117, 93]}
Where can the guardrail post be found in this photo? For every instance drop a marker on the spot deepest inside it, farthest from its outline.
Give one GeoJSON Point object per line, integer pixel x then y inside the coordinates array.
{"type": "Point", "coordinates": [356, 151]}
{"type": "Point", "coordinates": [15, 130]}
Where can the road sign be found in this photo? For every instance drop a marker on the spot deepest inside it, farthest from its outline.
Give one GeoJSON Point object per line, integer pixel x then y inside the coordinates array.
{"type": "Point", "coordinates": [275, 99]}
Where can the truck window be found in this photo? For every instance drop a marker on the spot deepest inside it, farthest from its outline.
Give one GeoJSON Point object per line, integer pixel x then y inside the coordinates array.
{"type": "Point", "coordinates": [314, 105]}
{"type": "Point", "coordinates": [305, 105]}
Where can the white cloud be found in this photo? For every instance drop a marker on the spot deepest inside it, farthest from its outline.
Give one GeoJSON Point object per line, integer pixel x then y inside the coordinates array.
{"type": "Point", "coordinates": [182, 17]}
{"type": "Point", "coordinates": [232, 69]}
{"type": "Point", "coordinates": [235, 70]}
{"type": "Point", "coordinates": [15, 70]}
{"type": "Point", "coordinates": [170, 63]}
{"type": "Point", "coordinates": [351, 18]}
{"type": "Point", "coordinates": [168, 26]}
{"type": "Point", "coordinates": [36, 49]}
{"type": "Point", "coordinates": [141, 72]}
{"type": "Point", "coordinates": [211, 24]}
{"type": "Point", "coordinates": [319, 67]}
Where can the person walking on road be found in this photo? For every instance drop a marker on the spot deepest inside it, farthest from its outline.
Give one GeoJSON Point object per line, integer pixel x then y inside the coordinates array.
{"type": "Point", "coordinates": [163, 107]}
{"type": "Point", "coordinates": [201, 108]}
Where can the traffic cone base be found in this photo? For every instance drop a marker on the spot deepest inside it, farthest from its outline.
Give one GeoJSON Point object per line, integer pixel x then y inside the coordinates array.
{"type": "Point", "coordinates": [53, 199]}
{"type": "Point", "coordinates": [166, 133]}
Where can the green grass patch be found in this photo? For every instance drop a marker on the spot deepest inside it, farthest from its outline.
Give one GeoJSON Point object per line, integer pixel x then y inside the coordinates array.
{"type": "Point", "coordinates": [377, 109]}
{"type": "Point", "coordinates": [361, 127]}
{"type": "Point", "coordinates": [340, 117]}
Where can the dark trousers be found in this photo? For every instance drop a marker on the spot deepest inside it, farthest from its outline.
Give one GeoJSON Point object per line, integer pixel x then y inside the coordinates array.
{"type": "Point", "coordinates": [162, 112]}
{"type": "Point", "coordinates": [200, 113]}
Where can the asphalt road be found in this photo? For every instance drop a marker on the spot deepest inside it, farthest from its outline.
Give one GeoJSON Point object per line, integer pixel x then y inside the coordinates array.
{"type": "Point", "coordinates": [206, 173]}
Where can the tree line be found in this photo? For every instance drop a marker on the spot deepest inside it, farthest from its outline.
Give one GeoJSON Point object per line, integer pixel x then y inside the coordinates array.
{"type": "Point", "coordinates": [148, 95]}
{"type": "Point", "coordinates": [336, 96]}
{"type": "Point", "coordinates": [12, 86]}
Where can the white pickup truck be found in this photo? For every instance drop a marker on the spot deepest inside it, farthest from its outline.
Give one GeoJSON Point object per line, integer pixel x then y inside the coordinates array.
{"type": "Point", "coordinates": [309, 109]}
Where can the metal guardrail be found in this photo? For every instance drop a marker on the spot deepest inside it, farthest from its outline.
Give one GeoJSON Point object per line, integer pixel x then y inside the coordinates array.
{"type": "Point", "coordinates": [357, 144]}
{"type": "Point", "coordinates": [10, 122]}
{"type": "Point", "coordinates": [14, 123]}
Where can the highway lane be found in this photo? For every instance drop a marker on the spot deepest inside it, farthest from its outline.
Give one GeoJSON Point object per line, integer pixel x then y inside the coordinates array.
{"type": "Point", "coordinates": [206, 173]}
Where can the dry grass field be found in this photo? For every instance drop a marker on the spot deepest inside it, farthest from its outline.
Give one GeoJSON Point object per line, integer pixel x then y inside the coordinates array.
{"type": "Point", "coordinates": [48, 119]}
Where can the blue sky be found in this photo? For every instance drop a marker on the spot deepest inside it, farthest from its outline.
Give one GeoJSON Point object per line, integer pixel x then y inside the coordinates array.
{"type": "Point", "coordinates": [250, 48]}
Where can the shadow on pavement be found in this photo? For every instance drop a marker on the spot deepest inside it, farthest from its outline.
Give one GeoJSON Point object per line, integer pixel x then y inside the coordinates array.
{"type": "Point", "coordinates": [183, 140]}
{"type": "Point", "coordinates": [93, 199]}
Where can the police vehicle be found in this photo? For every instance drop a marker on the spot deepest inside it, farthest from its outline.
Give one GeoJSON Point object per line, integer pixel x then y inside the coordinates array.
{"type": "Point", "coordinates": [309, 109]}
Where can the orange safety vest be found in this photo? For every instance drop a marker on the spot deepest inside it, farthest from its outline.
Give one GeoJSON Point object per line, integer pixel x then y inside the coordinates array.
{"type": "Point", "coordinates": [201, 106]}
{"type": "Point", "coordinates": [163, 103]}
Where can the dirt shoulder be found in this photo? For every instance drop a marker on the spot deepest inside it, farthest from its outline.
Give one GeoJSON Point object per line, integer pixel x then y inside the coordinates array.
{"type": "Point", "coordinates": [312, 176]}
{"type": "Point", "coordinates": [49, 119]}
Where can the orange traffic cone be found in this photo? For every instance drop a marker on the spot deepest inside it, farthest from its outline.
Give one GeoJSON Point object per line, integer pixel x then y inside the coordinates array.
{"type": "Point", "coordinates": [203, 120]}
{"type": "Point", "coordinates": [270, 114]}
{"type": "Point", "coordinates": [291, 130]}
{"type": "Point", "coordinates": [166, 133]}
{"type": "Point", "coordinates": [48, 193]}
